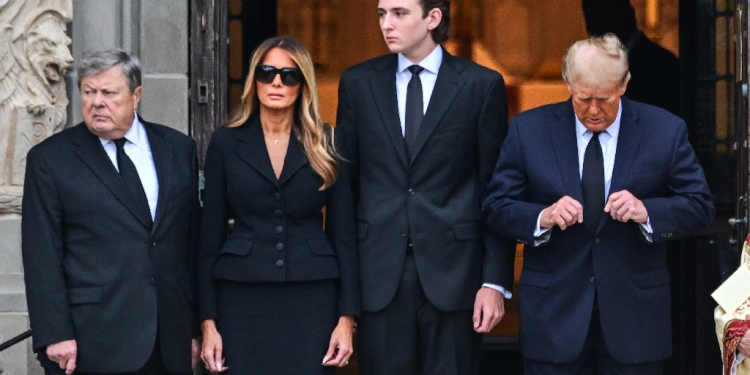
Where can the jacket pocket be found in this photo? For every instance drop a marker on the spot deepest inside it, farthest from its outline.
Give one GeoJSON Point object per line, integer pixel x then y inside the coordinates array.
{"type": "Point", "coordinates": [362, 231]}
{"type": "Point", "coordinates": [236, 246]}
{"type": "Point", "coordinates": [466, 231]}
{"type": "Point", "coordinates": [533, 278]}
{"type": "Point", "coordinates": [77, 296]}
{"type": "Point", "coordinates": [321, 247]}
{"type": "Point", "coordinates": [652, 279]}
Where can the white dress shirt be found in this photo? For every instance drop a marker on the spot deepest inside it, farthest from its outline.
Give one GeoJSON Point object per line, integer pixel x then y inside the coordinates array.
{"type": "Point", "coordinates": [608, 140]}
{"type": "Point", "coordinates": [139, 151]}
{"type": "Point", "coordinates": [428, 76]}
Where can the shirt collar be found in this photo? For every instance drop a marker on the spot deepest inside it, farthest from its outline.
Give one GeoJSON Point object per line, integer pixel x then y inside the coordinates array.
{"type": "Point", "coordinates": [613, 130]}
{"type": "Point", "coordinates": [431, 63]}
{"type": "Point", "coordinates": [136, 135]}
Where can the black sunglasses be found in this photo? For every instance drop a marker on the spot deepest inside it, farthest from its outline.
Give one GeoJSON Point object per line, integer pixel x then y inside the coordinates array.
{"type": "Point", "coordinates": [267, 73]}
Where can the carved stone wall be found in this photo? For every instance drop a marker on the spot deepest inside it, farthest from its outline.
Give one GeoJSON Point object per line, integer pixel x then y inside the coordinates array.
{"type": "Point", "coordinates": [34, 56]}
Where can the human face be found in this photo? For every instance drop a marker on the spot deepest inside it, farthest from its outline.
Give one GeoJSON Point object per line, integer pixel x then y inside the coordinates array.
{"type": "Point", "coordinates": [405, 30]}
{"type": "Point", "coordinates": [107, 105]}
{"type": "Point", "coordinates": [276, 96]}
{"type": "Point", "coordinates": [596, 108]}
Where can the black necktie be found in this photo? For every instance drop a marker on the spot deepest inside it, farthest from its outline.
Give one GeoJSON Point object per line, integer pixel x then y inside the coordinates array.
{"type": "Point", "coordinates": [132, 181]}
{"type": "Point", "coordinates": [414, 108]}
{"type": "Point", "coordinates": [592, 183]}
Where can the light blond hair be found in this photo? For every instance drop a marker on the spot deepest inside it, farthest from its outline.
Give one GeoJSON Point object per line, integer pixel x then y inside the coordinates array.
{"type": "Point", "coordinates": [597, 61]}
{"type": "Point", "coordinates": [315, 136]}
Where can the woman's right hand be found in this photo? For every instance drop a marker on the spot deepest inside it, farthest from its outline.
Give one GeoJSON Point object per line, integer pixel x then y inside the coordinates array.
{"type": "Point", "coordinates": [212, 347]}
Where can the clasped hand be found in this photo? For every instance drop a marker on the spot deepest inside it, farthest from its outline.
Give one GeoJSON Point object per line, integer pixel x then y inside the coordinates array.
{"type": "Point", "coordinates": [621, 206]}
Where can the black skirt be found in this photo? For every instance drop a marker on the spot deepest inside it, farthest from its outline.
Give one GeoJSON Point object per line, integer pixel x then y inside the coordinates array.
{"type": "Point", "coordinates": [276, 328]}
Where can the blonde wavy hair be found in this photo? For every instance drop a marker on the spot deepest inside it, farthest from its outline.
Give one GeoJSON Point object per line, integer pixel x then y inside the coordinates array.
{"type": "Point", "coordinates": [315, 136]}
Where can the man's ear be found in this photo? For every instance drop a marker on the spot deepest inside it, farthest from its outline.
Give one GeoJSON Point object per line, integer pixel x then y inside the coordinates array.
{"type": "Point", "coordinates": [137, 96]}
{"type": "Point", "coordinates": [435, 16]}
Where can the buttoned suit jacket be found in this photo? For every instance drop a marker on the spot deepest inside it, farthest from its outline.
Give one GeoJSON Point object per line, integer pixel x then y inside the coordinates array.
{"type": "Point", "coordinates": [434, 195]}
{"type": "Point", "coordinates": [538, 165]}
{"type": "Point", "coordinates": [95, 269]}
{"type": "Point", "coordinates": [277, 234]}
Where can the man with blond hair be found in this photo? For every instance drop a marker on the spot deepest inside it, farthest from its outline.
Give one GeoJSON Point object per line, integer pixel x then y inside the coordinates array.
{"type": "Point", "coordinates": [594, 187]}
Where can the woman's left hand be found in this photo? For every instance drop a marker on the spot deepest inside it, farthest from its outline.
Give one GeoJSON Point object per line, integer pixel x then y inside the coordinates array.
{"type": "Point", "coordinates": [340, 348]}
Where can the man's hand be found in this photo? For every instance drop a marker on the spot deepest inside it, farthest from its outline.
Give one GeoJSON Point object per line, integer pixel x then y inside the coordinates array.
{"type": "Point", "coordinates": [563, 213]}
{"type": "Point", "coordinates": [744, 346]}
{"type": "Point", "coordinates": [623, 206]}
{"type": "Point", "coordinates": [212, 347]}
{"type": "Point", "coordinates": [64, 353]}
{"type": "Point", "coordinates": [195, 353]}
{"type": "Point", "coordinates": [489, 308]}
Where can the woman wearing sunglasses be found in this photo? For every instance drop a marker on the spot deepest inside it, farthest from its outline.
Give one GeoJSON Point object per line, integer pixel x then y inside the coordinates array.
{"type": "Point", "coordinates": [278, 292]}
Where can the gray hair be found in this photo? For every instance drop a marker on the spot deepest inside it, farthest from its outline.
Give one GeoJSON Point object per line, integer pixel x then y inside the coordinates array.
{"type": "Point", "coordinates": [100, 61]}
{"type": "Point", "coordinates": [611, 47]}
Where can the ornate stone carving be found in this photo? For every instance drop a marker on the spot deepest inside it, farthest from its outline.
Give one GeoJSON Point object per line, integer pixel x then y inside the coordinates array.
{"type": "Point", "coordinates": [34, 56]}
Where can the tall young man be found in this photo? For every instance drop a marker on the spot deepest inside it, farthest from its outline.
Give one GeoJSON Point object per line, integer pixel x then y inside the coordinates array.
{"type": "Point", "coordinates": [424, 129]}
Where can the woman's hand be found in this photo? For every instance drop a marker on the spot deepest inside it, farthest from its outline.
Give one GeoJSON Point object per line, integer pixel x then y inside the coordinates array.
{"type": "Point", "coordinates": [212, 347]}
{"type": "Point", "coordinates": [340, 348]}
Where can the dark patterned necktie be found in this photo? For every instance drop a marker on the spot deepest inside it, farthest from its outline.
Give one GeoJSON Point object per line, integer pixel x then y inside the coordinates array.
{"type": "Point", "coordinates": [132, 181]}
{"type": "Point", "coordinates": [414, 108]}
{"type": "Point", "coordinates": [592, 183]}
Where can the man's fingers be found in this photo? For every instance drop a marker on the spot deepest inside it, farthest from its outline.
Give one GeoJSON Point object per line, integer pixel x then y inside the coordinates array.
{"type": "Point", "coordinates": [477, 317]}
{"type": "Point", "coordinates": [71, 366]}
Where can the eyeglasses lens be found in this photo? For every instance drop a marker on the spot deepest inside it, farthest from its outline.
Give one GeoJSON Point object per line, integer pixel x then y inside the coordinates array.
{"type": "Point", "coordinates": [289, 76]}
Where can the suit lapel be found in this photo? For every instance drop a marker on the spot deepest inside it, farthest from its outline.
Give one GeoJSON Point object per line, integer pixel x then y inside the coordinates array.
{"type": "Point", "coordinates": [162, 153]}
{"type": "Point", "coordinates": [628, 141]}
{"type": "Point", "coordinates": [294, 160]}
{"type": "Point", "coordinates": [253, 149]}
{"type": "Point", "coordinates": [91, 152]}
{"type": "Point", "coordinates": [447, 86]}
{"type": "Point", "coordinates": [566, 149]}
{"type": "Point", "coordinates": [383, 85]}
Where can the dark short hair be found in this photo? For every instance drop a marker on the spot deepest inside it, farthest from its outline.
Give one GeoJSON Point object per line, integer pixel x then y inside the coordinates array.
{"type": "Point", "coordinates": [440, 33]}
{"type": "Point", "coordinates": [100, 61]}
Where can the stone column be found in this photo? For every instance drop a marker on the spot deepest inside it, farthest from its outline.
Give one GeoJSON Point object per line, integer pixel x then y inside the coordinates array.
{"type": "Point", "coordinates": [34, 56]}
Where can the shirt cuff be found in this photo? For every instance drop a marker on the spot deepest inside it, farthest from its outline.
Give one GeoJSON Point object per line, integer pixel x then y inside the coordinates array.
{"type": "Point", "coordinates": [541, 235]}
{"type": "Point", "coordinates": [505, 293]}
{"type": "Point", "coordinates": [647, 231]}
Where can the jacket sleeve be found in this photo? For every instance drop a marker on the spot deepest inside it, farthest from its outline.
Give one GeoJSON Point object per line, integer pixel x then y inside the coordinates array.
{"type": "Point", "coordinates": [687, 207]}
{"type": "Point", "coordinates": [499, 254]}
{"type": "Point", "coordinates": [193, 238]}
{"type": "Point", "coordinates": [43, 252]}
{"type": "Point", "coordinates": [213, 228]}
{"type": "Point", "coordinates": [505, 210]}
{"type": "Point", "coordinates": [341, 232]}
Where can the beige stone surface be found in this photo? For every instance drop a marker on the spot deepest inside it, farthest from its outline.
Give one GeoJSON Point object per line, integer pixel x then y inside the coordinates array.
{"type": "Point", "coordinates": [34, 56]}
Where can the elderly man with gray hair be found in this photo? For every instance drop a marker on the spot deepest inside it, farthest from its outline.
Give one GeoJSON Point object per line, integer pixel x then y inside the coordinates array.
{"type": "Point", "coordinates": [594, 187]}
{"type": "Point", "coordinates": [109, 230]}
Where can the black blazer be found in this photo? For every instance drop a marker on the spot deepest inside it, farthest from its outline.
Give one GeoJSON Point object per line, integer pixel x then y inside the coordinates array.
{"type": "Point", "coordinates": [94, 270]}
{"type": "Point", "coordinates": [626, 274]}
{"type": "Point", "coordinates": [434, 197]}
{"type": "Point", "coordinates": [278, 231]}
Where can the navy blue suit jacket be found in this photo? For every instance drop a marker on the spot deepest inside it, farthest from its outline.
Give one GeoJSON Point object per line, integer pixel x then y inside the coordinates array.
{"type": "Point", "coordinates": [538, 165]}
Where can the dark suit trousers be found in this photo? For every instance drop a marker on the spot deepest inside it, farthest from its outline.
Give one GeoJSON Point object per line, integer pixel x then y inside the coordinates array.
{"type": "Point", "coordinates": [594, 359]}
{"type": "Point", "coordinates": [154, 366]}
{"type": "Point", "coordinates": [411, 336]}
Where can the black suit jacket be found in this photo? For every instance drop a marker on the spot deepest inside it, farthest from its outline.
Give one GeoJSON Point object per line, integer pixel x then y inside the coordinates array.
{"type": "Point", "coordinates": [94, 270]}
{"type": "Point", "coordinates": [278, 231]}
{"type": "Point", "coordinates": [628, 275]}
{"type": "Point", "coordinates": [435, 196]}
